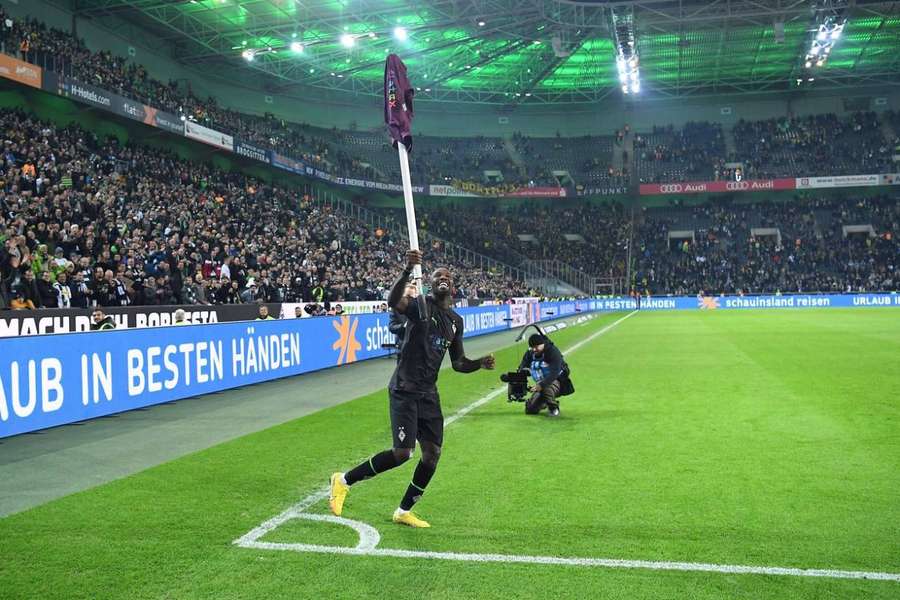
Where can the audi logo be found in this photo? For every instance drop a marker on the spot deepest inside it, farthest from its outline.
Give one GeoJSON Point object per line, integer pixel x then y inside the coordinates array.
{"type": "Point", "coordinates": [737, 185]}
{"type": "Point", "coordinates": [671, 188]}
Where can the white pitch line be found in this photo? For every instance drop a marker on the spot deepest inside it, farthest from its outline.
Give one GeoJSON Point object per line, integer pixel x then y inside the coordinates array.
{"type": "Point", "coordinates": [610, 563]}
{"type": "Point", "coordinates": [369, 536]}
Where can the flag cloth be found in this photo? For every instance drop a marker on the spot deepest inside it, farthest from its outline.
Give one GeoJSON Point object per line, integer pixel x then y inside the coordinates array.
{"type": "Point", "coordinates": [398, 101]}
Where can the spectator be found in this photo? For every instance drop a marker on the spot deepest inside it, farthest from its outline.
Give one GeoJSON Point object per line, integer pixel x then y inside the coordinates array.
{"type": "Point", "coordinates": [63, 291]}
{"type": "Point", "coordinates": [263, 314]}
{"type": "Point", "coordinates": [102, 322]}
{"type": "Point", "coordinates": [46, 292]}
{"type": "Point", "coordinates": [19, 301]}
{"type": "Point", "coordinates": [29, 289]}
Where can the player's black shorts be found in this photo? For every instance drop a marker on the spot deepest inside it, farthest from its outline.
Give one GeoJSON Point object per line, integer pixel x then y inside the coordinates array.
{"type": "Point", "coordinates": [416, 416]}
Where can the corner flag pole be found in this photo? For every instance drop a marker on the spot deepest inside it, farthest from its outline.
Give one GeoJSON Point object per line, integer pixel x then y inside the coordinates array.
{"type": "Point", "coordinates": [410, 206]}
{"type": "Point", "coordinates": [398, 115]}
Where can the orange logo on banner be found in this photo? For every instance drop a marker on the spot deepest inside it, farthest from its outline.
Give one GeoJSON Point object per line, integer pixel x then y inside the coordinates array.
{"type": "Point", "coordinates": [149, 115]}
{"type": "Point", "coordinates": [23, 72]}
{"type": "Point", "coordinates": [707, 303]}
{"type": "Point", "coordinates": [346, 341]}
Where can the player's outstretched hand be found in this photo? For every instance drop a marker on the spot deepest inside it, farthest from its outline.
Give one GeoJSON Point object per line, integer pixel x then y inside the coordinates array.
{"type": "Point", "coordinates": [488, 362]}
{"type": "Point", "coordinates": [413, 257]}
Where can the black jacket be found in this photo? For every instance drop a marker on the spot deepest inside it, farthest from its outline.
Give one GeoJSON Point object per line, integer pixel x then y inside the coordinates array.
{"type": "Point", "coordinates": [558, 369]}
{"type": "Point", "coordinates": [106, 324]}
{"type": "Point", "coordinates": [48, 295]}
{"type": "Point", "coordinates": [30, 291]}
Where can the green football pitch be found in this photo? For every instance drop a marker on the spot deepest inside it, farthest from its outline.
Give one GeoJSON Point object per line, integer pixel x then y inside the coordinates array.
{"type": "Point", "coordinates": [703, 441]}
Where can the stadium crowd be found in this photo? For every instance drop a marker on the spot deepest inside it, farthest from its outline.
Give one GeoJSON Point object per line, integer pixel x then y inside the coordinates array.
{"type": "Point", "coordinates": [598, 234]}
{"type": "Point", "coordinates": [794, 246]}
{"type": "Point", "coordinates": [695, 152]}
{"type": "Point", "coordinates": [85, 221]}
{"type": "Point", "coordinates": [813, 145]}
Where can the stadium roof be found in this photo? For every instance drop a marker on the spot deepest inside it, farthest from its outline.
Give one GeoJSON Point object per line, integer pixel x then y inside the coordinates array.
{"type": "Point", "coordinates": [521, 51]}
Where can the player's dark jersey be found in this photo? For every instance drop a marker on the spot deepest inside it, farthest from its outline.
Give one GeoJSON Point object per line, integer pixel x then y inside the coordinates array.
{"type": "Point", "coordinates": [426, 343]}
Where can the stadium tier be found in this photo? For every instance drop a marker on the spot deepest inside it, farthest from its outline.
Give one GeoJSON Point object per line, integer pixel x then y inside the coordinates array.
{"type": "Point", "coordinates": [87, 221]}
{"type": "Point", "coordinates": [818, 145]}
{"type": "Point", "coordinates": [796, 246]}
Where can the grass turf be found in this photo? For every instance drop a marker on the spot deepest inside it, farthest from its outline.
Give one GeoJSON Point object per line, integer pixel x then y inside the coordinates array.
{"type": "Point", "coordinates": [760, 437]}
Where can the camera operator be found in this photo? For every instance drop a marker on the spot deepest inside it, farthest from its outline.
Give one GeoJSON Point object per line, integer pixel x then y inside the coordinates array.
{"type": "Point", "coordinates": [550, 373]}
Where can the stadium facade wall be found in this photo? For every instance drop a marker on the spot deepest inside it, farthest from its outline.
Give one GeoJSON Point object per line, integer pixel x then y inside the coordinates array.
{"type": "Point", "coordinates": [72, 378]}
{"type": "Point", "coordinates": [444, 119]}
{"type": "Point", "coordinates": [124, 108]}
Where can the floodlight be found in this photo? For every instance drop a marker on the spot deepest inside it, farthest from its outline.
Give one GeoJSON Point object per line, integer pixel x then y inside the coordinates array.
{"type": "Point", "coordinates": [627, 60]}
{"type": "Point", "coordinates": [400, 34]}
{"type": "Point", "coordinates": [347, 40]}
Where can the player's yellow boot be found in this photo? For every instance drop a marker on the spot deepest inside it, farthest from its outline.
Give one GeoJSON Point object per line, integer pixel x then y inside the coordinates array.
{"type": "Point", "coordinates": [406, 517]}
{"type": "Point", "coordinates": [338, 492]}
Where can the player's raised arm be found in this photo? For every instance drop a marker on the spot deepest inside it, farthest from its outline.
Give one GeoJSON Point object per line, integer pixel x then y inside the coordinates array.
{"type": "Point", "coordinates": [397, 299]}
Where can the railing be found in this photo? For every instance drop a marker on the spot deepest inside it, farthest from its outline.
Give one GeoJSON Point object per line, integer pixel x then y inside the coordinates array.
{"type": "Point", "coordinates": [609, 286]}
{"type": "Point", "coordinates": [48, 61]}
{"type": "Point", "coordinates": [584, 282]}
{"type": "Point", "coordinates": [375, 219]}
{"type": "Point", "coordinates": [534, 269]}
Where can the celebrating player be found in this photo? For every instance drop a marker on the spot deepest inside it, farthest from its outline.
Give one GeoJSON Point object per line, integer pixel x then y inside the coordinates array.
{"type": "Point", "coordinates": [432, 328]}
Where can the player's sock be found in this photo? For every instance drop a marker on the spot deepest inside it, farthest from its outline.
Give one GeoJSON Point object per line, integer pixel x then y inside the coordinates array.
{"type": "Point", "coordinates": [381, 462]}
{"type": "Point", "coordinates": [420, 479]}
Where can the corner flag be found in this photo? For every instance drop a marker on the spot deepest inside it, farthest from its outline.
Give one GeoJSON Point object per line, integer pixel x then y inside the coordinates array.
{"type": "Point", "coordinates": [398, 101]}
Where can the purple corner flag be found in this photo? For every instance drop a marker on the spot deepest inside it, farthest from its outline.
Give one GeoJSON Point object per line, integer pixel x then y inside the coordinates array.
{"type": "Point", "coordinates": [398, 101]}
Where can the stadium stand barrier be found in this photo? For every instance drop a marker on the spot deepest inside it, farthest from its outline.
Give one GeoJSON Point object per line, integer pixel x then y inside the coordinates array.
{"type": "Point", "coordinates": [75, 320]}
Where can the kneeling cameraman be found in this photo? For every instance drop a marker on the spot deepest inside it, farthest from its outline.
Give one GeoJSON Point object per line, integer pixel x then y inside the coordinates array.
{"type": "Point", "coordinates": [550, 373]}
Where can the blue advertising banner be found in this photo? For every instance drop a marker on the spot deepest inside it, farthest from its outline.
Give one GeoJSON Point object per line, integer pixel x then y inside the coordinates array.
{"type": "Point", "coordinates": [556, 310]}
{"type": "Point", "coordinates": [76, 377]}
{"type": "Point", "coordinates": [484, 319]}
{"type": "Point", "coordinates": [46, 384]}
{"type": "Point", "coordinates": [749, 302]}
